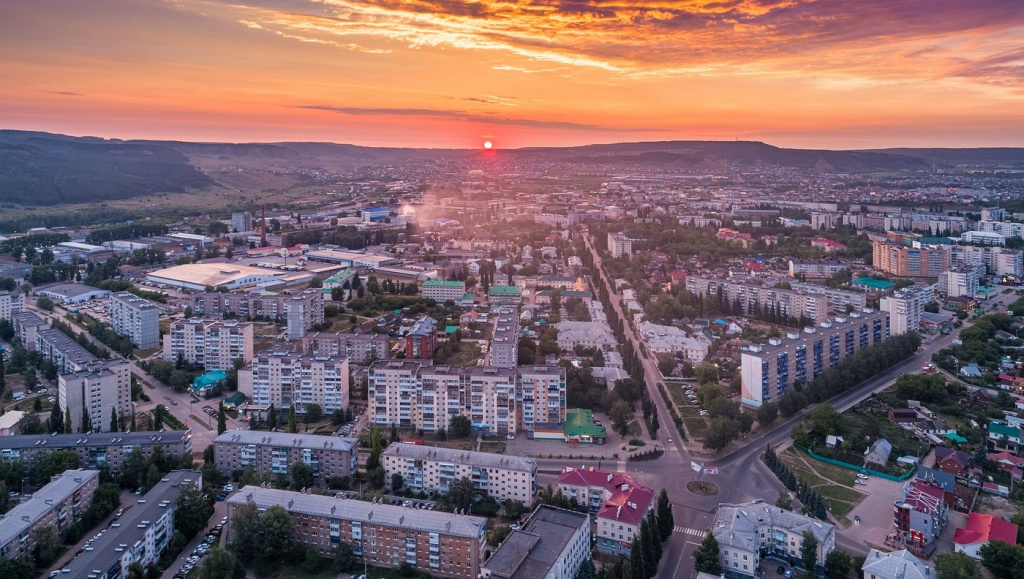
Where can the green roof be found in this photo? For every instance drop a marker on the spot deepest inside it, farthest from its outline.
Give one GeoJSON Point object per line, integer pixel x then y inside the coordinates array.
{"type": "Point", "coordinates": [235, 399]}
{"type": "Point", "coordinates": [450, 329]}
{"type": "Point", "coordinates": [443, 283]}
{"type": "Point", "coordinates": [209, 379]}
{"type": "Point", "coordinates": [955, 437]}
{"type": "Point", "coordinates": [1003, 430]}
{"type": "Point", "coordinates": [580, 422]}
{"type": "Point", "coordinates": [510, 290]}
{"type": "Point", "coordinates": [873, 283]}
{"type": "Point", "coordinates": [467, 296]}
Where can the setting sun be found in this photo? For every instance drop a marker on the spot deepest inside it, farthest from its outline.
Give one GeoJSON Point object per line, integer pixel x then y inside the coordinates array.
{"type": "Point", "coordinates": [488, 144]}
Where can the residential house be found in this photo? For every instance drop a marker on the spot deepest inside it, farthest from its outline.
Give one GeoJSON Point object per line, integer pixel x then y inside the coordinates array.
{"type": "Point", "coordinates": [878, 453]}
{"type": "Point", "coordinates": [981, 529]}
{"type": "Point", "coordinates": [1007, 436]}
{"type": "Point", "coordinates": [900, 564]}
{"type": "Point", "coordinates": [955, 462]}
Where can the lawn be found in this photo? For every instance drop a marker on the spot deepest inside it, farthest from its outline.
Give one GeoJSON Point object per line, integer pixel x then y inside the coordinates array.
{"type": "Point", "coordinates": [823, 477]}
{"type": "Point", "coordinates": [695, 425]}
{"type": "Point", "coordinates": [468, 355]}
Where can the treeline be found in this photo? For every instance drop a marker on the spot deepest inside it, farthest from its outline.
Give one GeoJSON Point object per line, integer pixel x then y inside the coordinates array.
{"type": "Point", "coordinates": [82, 339]}
{"type": "Point", "coordinates": [814, 504]}
{"type": "Point", "coordinates": [128, 231]}
{"type": "Point", "coordinates": [33, 240]}
{"type": "Point", "coordinates": [850, 372]}
{"type": "Point", "coordinates": [345, 236]}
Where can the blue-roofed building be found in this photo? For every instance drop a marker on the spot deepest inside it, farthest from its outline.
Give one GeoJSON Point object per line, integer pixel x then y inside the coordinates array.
{"type": "Point", "coordinates": [375, 214]}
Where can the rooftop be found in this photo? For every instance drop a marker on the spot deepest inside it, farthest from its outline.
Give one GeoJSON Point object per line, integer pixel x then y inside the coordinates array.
{"type": "Point", "coordinates": [310, 441]}
{"type": "Point", "coordinates": [531, 551]}
{"type": "Point", "coordinates": [73, 440]}
{"type": "Point", "coordinates": [213, 274]}
{"type": "Point", "coordinates": [580, 422]}
{"type": "Point", "coordinates": [23, 516]}
{"type": "Point", "coordinates": [896, 565]}
{"type": "Point", "coordinates": [364, 512]}
{"type": "Point", "coordinates": [443, 283]}
{"type": "Point", "coordinates": [509, 290]}
{"type": "Point", "coordinates": [736, 525]}
{"type": "Point", "coordinates": [871, 282]}
{"type": "Point", "coordinates": [450, 455]}
{"type": "Point", "coordinates": [982, 528]}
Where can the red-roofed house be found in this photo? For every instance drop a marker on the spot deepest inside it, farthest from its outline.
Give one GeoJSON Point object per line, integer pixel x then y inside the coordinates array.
{"type": "Point", "coordinates": [733, 235]}
{"type": "Point", "coordinates": [619, 501]}
{"type": "Point", "coordinates": [827, 244]}
{"type": "Point", "coordinates": [979, 531]}
{"type": "Point", "coordinates": [1008, 462]}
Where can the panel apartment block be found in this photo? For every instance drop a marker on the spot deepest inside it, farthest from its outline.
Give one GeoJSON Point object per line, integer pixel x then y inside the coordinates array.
{"type": "Point", "coordinates": [908, 261]}
{"type": "Point", "coordinates": [427, 468]}
{"type": "Point", "coordinates": [305, 309]}
{"type": "Point", "coordinates": [284, 377]}
{"type": "Point", "coordinates": [541, 395]}
{"type": "Point", "coordinates": [65, 353]}
{"type": "Point", "coordinates": [441, 544]}
{"type": "Point", "coordinates": [26, 326]}
{"type": "Point", "coordinates": [96, 450]}
{"type": "Point", "coordinates": [98, 387]}
{"type": "Point", "coordinates": [751, 296]}
{"type": "Point", "coordinates": [504, 349]}
{"type": "Point", "coordinates": [905, 308]}
{"type": "Point", "coordinates": [10, 304]}
{"type": "Point", "coordinates": [619, 245]}
{"type": "Point", "coordinates": [769, 370]}
{"type": "Point", "coordinates": [58, 504]}
{"type": "Point", "coordinates": [135, 317]}
{"type": "Point", "coordinates": [276, 452]}
{"type": "Point", "coordinates": [358, 348]}
{"type": "Point", "coordinates": [213, 344]}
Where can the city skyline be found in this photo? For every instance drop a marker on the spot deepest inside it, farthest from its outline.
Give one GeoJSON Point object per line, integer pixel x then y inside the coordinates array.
{"type": "Point", "coordinates": [446, 74]}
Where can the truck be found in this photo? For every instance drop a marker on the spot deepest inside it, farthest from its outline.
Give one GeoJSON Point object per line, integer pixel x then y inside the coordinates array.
{"type": "Point", "coordinates": [928, 368]}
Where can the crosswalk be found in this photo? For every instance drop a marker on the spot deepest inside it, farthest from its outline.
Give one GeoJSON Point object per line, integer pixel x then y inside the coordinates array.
{"type": "Point", "coordinates": [689, 531]}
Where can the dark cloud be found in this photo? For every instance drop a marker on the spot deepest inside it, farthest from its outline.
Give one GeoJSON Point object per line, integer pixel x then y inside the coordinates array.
{"type": "Point", "coordinates": [474, 118]}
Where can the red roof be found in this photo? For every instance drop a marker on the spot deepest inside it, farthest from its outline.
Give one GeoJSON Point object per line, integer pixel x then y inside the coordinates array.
{"type": "Point", "coordinates": [1006, 457]}
{"type": "Point", "coordinates": [983, 528]}
{"type": "Point", "coordinates": [629, 500]}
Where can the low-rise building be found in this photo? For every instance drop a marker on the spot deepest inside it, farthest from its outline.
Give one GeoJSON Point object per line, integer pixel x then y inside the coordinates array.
{"type": "Point", "coordinates": [816, 268]}
{"type": "Point", "coordinates": [586, 334]}
{"type": "Point", "coordinates": [504, 295]}
{"type": "Point", "coordinates": [141, 535]}
{"type": "Point", "coordinates": [428, 468]}
{"type": "Point", "coordinates": [301, 311]}
{"type": "Point", "coordinates": [276, 452]}
{"type": "Point", "coordinates": [442, 290]}
{"type": "Point", "coordinates": [551, 545]}
{"type": "Point", "coordinates": [979, 531]}
{"type": "Point", "coordinates": [58, 504]}
{"type": "Point", "coordinates": [96, 450]}
{"type": "Point", "coordinates": [135, 317]}
{"type": "Point", "coordinates": [212, 344]}
{"type": "Point", "coordinates": [358, 348]}
{"type": "Point", "coordinates": [745, 531]}
{"type": "Point", "coordinates": [441, 544]}
{"type": "Point", "coordinates": [920, 516]}
{"type": "Point", "coordinates": [618, 502]}
{"type": "Point", "coordinates": [900, 564]}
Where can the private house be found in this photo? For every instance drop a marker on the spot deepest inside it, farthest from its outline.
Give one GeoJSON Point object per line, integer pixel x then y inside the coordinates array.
{"type": "Point", "coordinates": [981, 529]}
{"type": "Point", "coordinates": [955, 462]}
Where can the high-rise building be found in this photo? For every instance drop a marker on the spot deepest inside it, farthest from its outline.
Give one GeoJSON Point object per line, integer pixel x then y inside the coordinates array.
{"type": "Point", "coordinates": [1006, 228]}
{"type": "Point", "coordinates": [276, 452]}
{"type": "Point", "coordinates": [619, 245]}
{"type": "Point", "coordinates": [927, 261]}
{"type": "Point", "coordinates": [95, 390]}
{"type": "Point", "coordinates": [429, 468]}
{"type": "Point", "coordinates": [441, 544]}
{"type": "Point", "coordinates": [65, 353]}
{"type": "Point", "coordinates": [212, 344]}
{"type": "Point", "coordinates": [905, 308]}
{"type": "Point", "coordinates": [993, 214]}
{"type": "Point", "coordinates": [504, 348]}
{"type": "Point", "coordinates": [541, 395]}
{"type": "Point", "coordinates": [241, 221]}
{"type": "Point", "coordinates": [284, 377]}
{"type": "Point", "coordinates": [301, 311]}
{"type": "Point", "coordinates": [10, 304]}
{"type": "Point", "coordinates": [769, 370]}
{"type": "Point", "coordinates": [135, 317]}
{"type": "Point", "coordinates": [26, 325]}
{"type": "Point", "coordinates": [358, 348]}
{"type": "Point", "coordinates": [960, 281]}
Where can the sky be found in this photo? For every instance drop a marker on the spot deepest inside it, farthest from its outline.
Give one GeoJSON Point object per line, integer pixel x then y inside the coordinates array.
{"type": "Point", "coordinates": [837, 74]}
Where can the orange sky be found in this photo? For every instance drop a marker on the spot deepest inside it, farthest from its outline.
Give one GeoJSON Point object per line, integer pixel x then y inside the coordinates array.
{"type": "Point", "coordinates": [448, 73]}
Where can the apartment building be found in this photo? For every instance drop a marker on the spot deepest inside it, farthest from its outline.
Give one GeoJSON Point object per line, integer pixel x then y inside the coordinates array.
{"type": "Point", "coordinates": [619, 245]}
{"type": "Point", "coordinates": [284, 377]}
{"type": "Point", "coordinates": [95, 389]}
{"type": "Point", "coordinates": [442, 290]}
{"type": "Point", "coordinates": [358, 348]}
{"type": "Point", "coordinates": [960, 281]}
{"type": "Point", "coordinates": [754, 297]}
{"type": "Point", "coordinates": [983, 237]}
{"type": "Point", "coordinates": [816, 268]}
{"type": "Point", "coordinates": [504, 295]}
{"type": "Point", "coordinates": [141, 535]}
{"type": "Point", "coordinates": [993, 214]}
{"type": "Point", "coordinates": [421, 339]}
{"type": "Point", "coordinates": [428, 468]}
{"type": "Point", "coordinates": [908, 261]}
{"type": "Point", "coordinates": [58, 504]}
{"type": "Point", "coordinates": [438, 543]}
{"type": "Point", "coordinates": [26, 325]}
{"type": "Point", "coordinates": [241, 222]}
{"type": "Point", "coordinates": [769, 370]}
{"type": "Point", "coordinates": [65, 353]}
{"type": "Point", "coordinates": [417, 394]}
{"type": "Point", "coordinates": [552, 544]}
{"type": "Point", "coordinates": [212, 344]}
{"type": "Point", "coordinates": [504, 348]}
{"type": "Point", "coordinates": [10, 304]}
{"type": "Point", "coordinates": [276, 452]}
{"type": "Point", "coordinates": [618, 503]}
{"type": "Point", "coordinates": [96, 450]}
{"type": "Point", "coordinates": [301, 311]}
{"type": "Point", "coordinates": [838, 300]}
{"type": "Point", "coordinates": [1005, 228]}
{"type": "Point", "coordinates": [905, 308]}
{"type": "Point", "coordinates": [999, 260]}
{"type": "Point", "coordinates": [135, 317]}
{"type": "Point", "coordinates": [745, 531]}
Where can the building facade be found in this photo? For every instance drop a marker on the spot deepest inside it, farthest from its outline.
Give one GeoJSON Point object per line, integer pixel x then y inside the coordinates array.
{"type": "Point", "coordinates": [136, 318]}
{"type": "Point", "coordinates": [769, 370]}
{"type": "Point", "coordinates": [421, 339]}
{"type": "Point", "coordinates": [438, 543]}
{"type": "Point", "coordinates": [442, 290]}
{"type": "Point", "coordinates": [619, 245]}
{"type": "Point", "coordinates": [616, 500]}
{"type": "Point", "coordinates": [284, 377]}
{"type": "Point", "coordinates": [905, 308]}
{"type": "Point", "coordinates": [94, 390]}
{"type": "Point", "coordinates": [907, 261]}
{"type": "Point", "coordinates": [428, 468]}
{"type": "Point", "coordinates": [212, 344]}
{"type": "Point", "coordinates": [26, 325]}
{"type": "Point", "coordinates": [305, 308]}
{"type": "Point", "coordinates": [96, 450]}
{"type": "Point", "coordinates": [504, 350]}
{"type": "Point", "coordinates": [58, 504]}
{"type": "Point", "coordinates": [745, 531]}
{"type": "Point", "coordinates": [65, 353]}
{"type": "Point", "coordinates": [10, 304]}
{"type": "Point", "coordinates": [276, 452]}
{"type": "Point", "coordinates": [358, 348]}
{"type": "Point", "coordinates": [753, 297]}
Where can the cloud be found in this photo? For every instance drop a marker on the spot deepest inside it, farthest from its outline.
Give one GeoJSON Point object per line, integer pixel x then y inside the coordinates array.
{"type": "Point", "coordinates": [64, 93]}
{"type": "Point", "coordinates": [474, 118]}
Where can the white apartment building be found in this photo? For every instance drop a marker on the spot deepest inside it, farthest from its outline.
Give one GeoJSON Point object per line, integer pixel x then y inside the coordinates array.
{"type": "Point", "coordinates": [619, 245]}
{"type": "Point", "coordinates": [303, 311]}
{"type": "Point", "coordinates": [993, 214]}
{"type": "Point", "coordinates": [213, 344]}
{"type": "Point", "coordinates": [984, 237]}
{"type": "Point", "coordinates": [442, 291]}
{"type": "Point", "coordinates": [743, 531]}
{"type": "Point", "coordinates": [428, 468]}
{"type": "Point", "coordinates": [751, 296]}
{"type": "Point", "coordinates": [57, 347]}
{"type": "Point", "coordinates": [551, 545]}
{"type": "Point", "coordinates": [541, 395]}
{"type": "Point", "coordinates": [241, 221]}
{"type": "Point", "coordinates": [906, 306]}
{"type": "Point", "coordinates": [1005, 228]}
{"type": "Point", "coordinates": [10, 304]}
{"type": "Point", "coordinates": [284, 378]}
{"type": "Point", "coordinates": [26, 325]}
{"type": "Point", "coordinates": [276, 452]}
{"type": "Point", "coordinates": [98, 387]}
{"type": "Point", "coordinates": [999, 260]}
{"type": "Point", "coordinates": [136, 318]}
{"type": "Point", "coordinates": [960, 282]}
{"type": "Point", "coordinates": [504, 349]}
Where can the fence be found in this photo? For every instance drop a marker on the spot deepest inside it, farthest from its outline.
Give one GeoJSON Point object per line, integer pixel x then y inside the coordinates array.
{"type": "Point", "coordinates": [857, 468]}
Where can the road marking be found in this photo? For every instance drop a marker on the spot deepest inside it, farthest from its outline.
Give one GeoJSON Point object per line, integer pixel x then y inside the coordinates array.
{"type": "Point", "coordinates": [689, 531]}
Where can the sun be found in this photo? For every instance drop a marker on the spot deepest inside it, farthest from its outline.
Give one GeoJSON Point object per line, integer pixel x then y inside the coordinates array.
{"type": "Point", "coordinates": [488, 144]}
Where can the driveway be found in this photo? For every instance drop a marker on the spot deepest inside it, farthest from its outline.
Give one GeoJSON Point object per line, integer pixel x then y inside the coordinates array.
{"type": "Point", "coordinates": [875, 512]}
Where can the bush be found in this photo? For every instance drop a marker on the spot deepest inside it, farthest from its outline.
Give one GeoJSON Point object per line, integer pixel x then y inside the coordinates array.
{"type": "Point", "coordinates": [637, 442]}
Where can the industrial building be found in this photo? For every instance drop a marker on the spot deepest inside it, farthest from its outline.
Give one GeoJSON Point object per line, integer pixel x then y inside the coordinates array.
{"type": "Point", "coordinates": [199, 276]}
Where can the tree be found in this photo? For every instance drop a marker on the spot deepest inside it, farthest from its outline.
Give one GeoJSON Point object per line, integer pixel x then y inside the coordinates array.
{"type": "Point", "coordinates": [86, 423]}
{"type": "Point", "coordinates": [394, 434]}
{"type": "Point", "coordinates": [706, 373]}
{"type": "Point", "coordinates": [314, 413]}
{"type": "Point", "coordinates": [767, 413]}
{"type": "Point", "coordinates": [397, 482]}
{"type": "Point", "coordinates": [1003, 559]}
{"type": "Point", "coordinates": [135, 571]}
{"type": "Point", "coordinates": [67, 420]}
{"type": "Point", "coordinates": [586, 570]}
{"type": "Point", "coordinates": [720, 433]}
{"type": "Point", "coordinates": [45, 303]}
{"type": "Point", "coordinates": [838, 564]}
{"type": "Point", "coordinates": [460, 494]}
{"type": "Point", "coordinates": [785, 501]}
{"type": "Point", "coordinates": [302, 475]}
{"type": "Point", "coordinates": [48, 546]}
{"type": "Point", "coordinates": [221, 420]}
{"type": "Point", "coordinates": [377, 477]}
{"type": "Point", "coordinates": [31, 379]}
{"type": "Point", "coordinates": [706, 558]}
{"type": "Point", "coordinates": [460, 426]}
{"type": "Point", "coordinates": [194, 509]}
{"type": "Point", "coordinates": [221, 564]}
{"type": "Point", "coordinates": [621, 413]}
{"type": "Point", "coordinates": [276, 527]}
{"type": "Point", "coordinates": [376, 447]}
{"type": "Point", "coordinates": [956, 566]}
{"type": "Point", "coordinates": [113, 420]}
{"type": "Point", "coordinates": [809, 551]}
{"type": "Point", "coordinates": [666, 521]}
{"type": "Point", "coordinates": [292, 426]}
{"type": "Point", "coordinates": [246, 523]}
{"type": "Point", "coordinates": [272, 417]}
